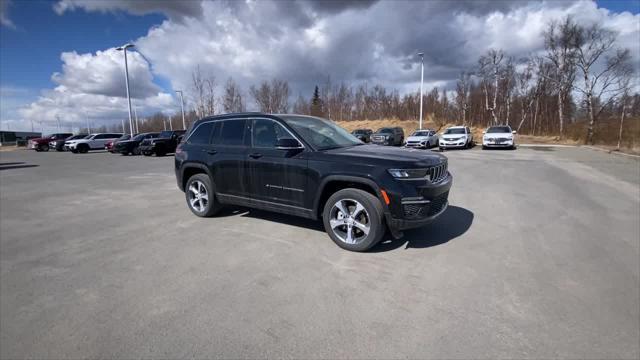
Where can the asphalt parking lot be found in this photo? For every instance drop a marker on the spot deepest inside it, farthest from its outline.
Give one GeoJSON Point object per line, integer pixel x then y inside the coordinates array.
{"type": "Point", "coordinates": [537, 257]}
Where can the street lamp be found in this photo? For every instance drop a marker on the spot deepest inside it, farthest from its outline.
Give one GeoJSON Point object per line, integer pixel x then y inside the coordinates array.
{"type": "Point", "coordinates": [421, 82]}
{"type": "Point", "coordinates": [126, 79]}
{"type": "Point", "coordinates": [184, 125]}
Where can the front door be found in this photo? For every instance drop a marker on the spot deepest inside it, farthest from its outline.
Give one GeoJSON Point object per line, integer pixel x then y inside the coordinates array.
{"type": "Point", "coordinates": [275, 175]}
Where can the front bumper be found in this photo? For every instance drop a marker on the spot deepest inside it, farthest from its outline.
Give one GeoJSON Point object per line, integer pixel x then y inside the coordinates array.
{"type": "Point", "coordinates": [381, 142]}
{"type": "Point", "coordinates": [418, 207]}
{"type": "Point", "coordinates": [497, 143]}
{"type": "Point", "coordinates": [417, 145]}
{"type": "Point", "coordinates": [452, 144]}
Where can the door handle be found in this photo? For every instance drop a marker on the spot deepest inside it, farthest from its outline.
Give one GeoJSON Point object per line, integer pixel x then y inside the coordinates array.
{"type": "Point", "coordinates": [210, 151]}
{"type": "Point", "coordinates": [255, 155]}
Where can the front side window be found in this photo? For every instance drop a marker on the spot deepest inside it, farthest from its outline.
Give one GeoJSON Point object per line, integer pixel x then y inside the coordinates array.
{"type": "Point", "coordinates": [232, 133]}
{"type": "Point", "coordinates": [320, 133]}
{"type": "Point", "coordinates": [201, 134]}
{"type": "Point", "coordinates": [266, 133]}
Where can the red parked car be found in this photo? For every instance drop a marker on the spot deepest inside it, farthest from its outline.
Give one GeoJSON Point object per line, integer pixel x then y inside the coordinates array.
{"type": "Point", "coordinates": [42, 144]}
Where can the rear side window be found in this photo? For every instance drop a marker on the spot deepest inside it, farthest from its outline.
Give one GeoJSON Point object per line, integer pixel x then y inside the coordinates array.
{"type": "Point", "coordinates": [201, 134]}
{"type": "Point", "coordinates": [232, 133]}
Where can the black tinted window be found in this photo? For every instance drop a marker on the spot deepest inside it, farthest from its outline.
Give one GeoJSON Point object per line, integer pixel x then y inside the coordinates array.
{"type": "Point", "coordinates": [201, 134]}
{"type": "Point", "coordinates": [232, 132]}
{"type": "Point", "coordinates": [266, 133]}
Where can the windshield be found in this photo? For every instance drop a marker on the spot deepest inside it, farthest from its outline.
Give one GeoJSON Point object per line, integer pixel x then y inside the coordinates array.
{"type": "Point", "coordinates": [124, 137]}
{"type": "Point", "coordinates": [138, 137]}
{"type": "Point", "coordinates": [76, 137]}
{"type": "Point", "coordinates": [385, 131]}
{"type": "Point", "coordinates": [455, 131]}
{"type": "Point", "coordinates": [498, 129]}
{"type": "Point", "coordinates": [421, 133]}
{"type": "Point", "coordinates": [165, 134]}
{"type": "Point", "coordinates": [359, 132]}
{"type": "Point", "coordinates": [320, 133]}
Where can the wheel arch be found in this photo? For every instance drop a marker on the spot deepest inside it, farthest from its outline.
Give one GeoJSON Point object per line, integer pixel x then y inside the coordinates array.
{"type": "Point", "coordinates": [333, 183]}
{"type": "Point", "coordinates": [191, 169]}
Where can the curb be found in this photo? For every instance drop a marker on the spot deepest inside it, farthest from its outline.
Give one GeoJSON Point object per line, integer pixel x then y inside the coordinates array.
{"type": "Point", "coordinates": [548, 145]}
{"type": "Point", "coordinates": [614, 152]}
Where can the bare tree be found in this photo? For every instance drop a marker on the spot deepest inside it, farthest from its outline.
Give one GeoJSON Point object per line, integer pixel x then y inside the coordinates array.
{"type": "Point", "coordinates": [272, 98]}
{"type": "Point", "coordinates": [203, 88]}
{"type": "Point", "coordinates": [524, 91]}
{"type": "Point", "coordinates": [560, 43]}
{"type": "Point", "coordinates": [232, 98]}
{"type": "Point", "coordinates": [463, 89]}
{"type": "Point", "coordinates": [624, 99]}
{"type": "Point", "coordinates": [489, 70]}
{"type": "Point", "coordinates": [601, 67]}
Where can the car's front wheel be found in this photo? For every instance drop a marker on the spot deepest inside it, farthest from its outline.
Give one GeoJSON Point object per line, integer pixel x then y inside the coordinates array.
{"type": "Point", "coordinates": [353, 218]}
{"type": "Point", "coordinates": [83, 148]}
{"type": "Point", "coordinates": [200, 196]}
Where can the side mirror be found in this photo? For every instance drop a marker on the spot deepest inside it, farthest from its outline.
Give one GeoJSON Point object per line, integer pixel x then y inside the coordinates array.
{"type": "Point", "coordinates": [288, 144]}
{"type": "Point", "coordinates": [513, 132]}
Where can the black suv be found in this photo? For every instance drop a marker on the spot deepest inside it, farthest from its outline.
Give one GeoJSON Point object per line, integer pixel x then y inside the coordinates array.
{"type": "Point", "coordinates": [388, 136]}
{"type": "Point", "coordinates": [363, 135]}
{"type": "Point", "coordinates": [310, 167]}
{"type": "Point", "coordinates": [126, 147]}
{"type": "Point", "coordinates": [165, 143]}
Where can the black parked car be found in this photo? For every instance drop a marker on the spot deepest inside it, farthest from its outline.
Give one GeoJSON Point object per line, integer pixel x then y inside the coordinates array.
{"type": "Point", "coordinates": [126, 147]}
{"type": "Point", "coordinates": [165, 143]}
{"type": "Point", "coordinates": [58, 144]}
{"type": "Point", "coordinates": [392, 136]}
{"type": "Point", "coordinates": [363, 134]}
{"type": "Point", "coordinates": [310, 167]}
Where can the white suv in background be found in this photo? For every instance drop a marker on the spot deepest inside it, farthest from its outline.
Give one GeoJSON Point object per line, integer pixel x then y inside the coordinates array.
{"type": "Point", "coordinates": [91, 142]}
{"type": "Point", "coordinates": [499, 136]}
{"type": "Point", "coordinates": [456, 137]}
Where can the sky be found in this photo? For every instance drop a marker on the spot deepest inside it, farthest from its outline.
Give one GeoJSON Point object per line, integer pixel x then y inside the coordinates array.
{"type": "Point", "coordinates": [58, 58]}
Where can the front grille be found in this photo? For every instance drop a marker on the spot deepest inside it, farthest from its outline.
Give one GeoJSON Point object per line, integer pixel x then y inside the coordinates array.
{"type": "Point", "coordinates": [438, 173]}
{"type": "Point", "coordinates": [438, 203]}
{"type": "Point", "coordinates": [377, 138]}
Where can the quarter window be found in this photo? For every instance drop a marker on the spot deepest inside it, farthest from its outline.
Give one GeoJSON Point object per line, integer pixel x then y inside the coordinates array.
{"type": "Point", "coordinates": [232, 132]}
{"type": "Point", "coordinates": [201, 134]}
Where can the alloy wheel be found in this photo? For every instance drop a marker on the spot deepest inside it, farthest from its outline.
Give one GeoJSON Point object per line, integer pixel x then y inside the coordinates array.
{"type": "Point", "coordinates": [198, 196]}
{"type": "Point", "coordinates": [349, 221]}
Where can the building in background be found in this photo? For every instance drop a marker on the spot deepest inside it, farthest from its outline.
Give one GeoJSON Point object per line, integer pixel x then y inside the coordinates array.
{"type": "Point", "coordinates": [17, 137]}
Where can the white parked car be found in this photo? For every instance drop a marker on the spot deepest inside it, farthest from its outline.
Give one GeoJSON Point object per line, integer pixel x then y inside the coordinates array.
{"type": "Point", "coordinates": [423, 139]}
{"type": "Point", "coordinates": [91, 142]}
{"type": "Point", "coordinates": [501, 136]}
{"type": "Point", "coordinates": [456, 137]}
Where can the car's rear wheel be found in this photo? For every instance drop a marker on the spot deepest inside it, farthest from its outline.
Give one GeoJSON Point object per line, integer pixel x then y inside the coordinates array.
{"type": "Point", "coordinates": [200, 196]}
{"type": "Point", "coordinates": [353, 219]}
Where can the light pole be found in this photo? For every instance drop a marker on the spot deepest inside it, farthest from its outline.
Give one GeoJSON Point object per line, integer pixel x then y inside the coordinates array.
{"type": "Point", "coordinates": [126, 79]}
{"type": "Point", "coordinates": [58, 123]}
{"type": "Point", "coordinates": [88, 126]}
{"type": "Point", "coordinates": [135, 112]}
{"type": "Point", "coordinates": [184, 125]}
{"type": "Point", "coordinates": [421, 82]}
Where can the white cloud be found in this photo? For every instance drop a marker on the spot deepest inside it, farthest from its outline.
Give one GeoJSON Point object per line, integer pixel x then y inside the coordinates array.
{"type": "Point", "coordinates": [303, 42]}
{"type": "Point", "coordinates": [4, 14]}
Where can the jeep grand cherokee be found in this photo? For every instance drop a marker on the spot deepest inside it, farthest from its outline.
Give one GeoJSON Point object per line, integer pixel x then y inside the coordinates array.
{"type": "Point", "coordinates": [310, 167]}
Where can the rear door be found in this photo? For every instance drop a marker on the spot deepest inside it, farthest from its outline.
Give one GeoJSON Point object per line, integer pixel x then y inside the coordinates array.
{"type": "Point", "coordinates": [227, 156]}
{"type": "Point", "coordinates": [98, 141]}
{"type": "Point", "coordinates": [275, 175]}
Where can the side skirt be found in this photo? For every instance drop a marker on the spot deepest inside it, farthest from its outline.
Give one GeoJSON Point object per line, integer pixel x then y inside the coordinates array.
{"type": "Point", "coordinates": [265, 205]}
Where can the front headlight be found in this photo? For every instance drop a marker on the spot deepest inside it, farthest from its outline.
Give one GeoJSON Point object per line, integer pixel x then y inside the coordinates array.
{"type": "Point", "coordinates": [409, 173]}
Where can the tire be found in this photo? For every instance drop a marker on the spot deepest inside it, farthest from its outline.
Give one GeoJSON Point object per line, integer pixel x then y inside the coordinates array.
{"type": "Point", "coordinates": [74, 151]}
{"type": "Point", "coordinates": [370, 217]}
{"type": "Point", "coordinates": [45, 148]}
{"type": "Point", "coordinates": [146, 153]}
{"type": "Point", "coordinates": [83, 148]}
{"type": "Point", "coordinates": [484, 147]}
{"type": "Point", "coordinates": [136, 151]}
{"type": "Point", "coordinates": [202, 184]}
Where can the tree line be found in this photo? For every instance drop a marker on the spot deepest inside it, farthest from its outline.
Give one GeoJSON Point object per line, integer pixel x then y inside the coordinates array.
{"type": "Point", "coordinates": [582, 76]}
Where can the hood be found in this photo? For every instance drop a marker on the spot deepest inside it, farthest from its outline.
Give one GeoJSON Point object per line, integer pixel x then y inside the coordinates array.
{"type": "Point", "coordinates": [418, 138]}
{"type": "Point", "coordinates": [36, 140]}
{"type": "Point", "coordinates": [387, 156]}
{"type": "Point", "coordinates": [453, 136]}
{"type": "Point", "coordinates": [126, 142]}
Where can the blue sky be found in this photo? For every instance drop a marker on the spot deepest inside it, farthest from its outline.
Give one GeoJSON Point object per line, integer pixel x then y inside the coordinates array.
{"type": "Point", "coordinates": [30, 53]}
{"type": "Point", "coordinates": [32, 44]}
